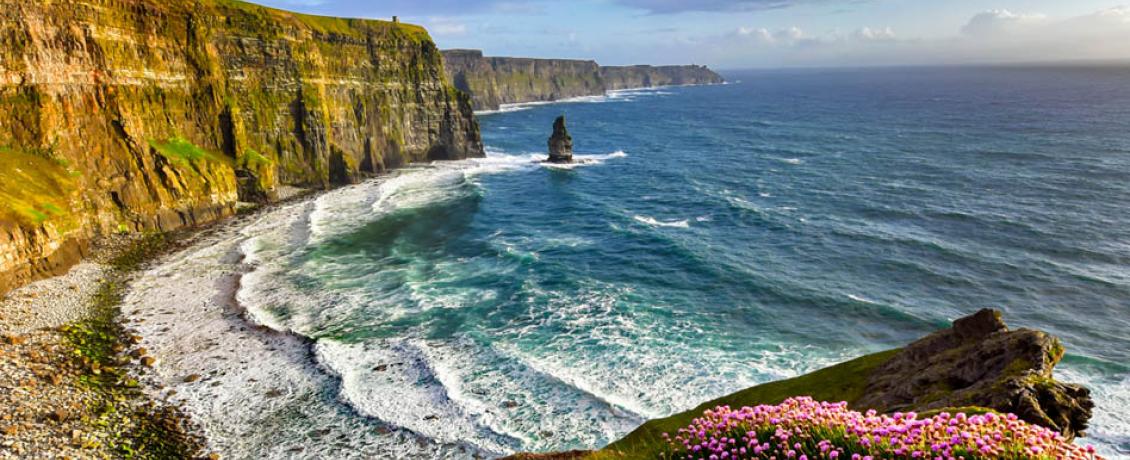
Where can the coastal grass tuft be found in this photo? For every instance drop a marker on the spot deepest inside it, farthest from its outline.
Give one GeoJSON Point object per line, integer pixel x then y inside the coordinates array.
{"type": "Point", "coordinates": [842, 382]}
{"type": "Point", "coordinates": [182, 152]}
{"type": "Point", "coordinates": [253, 160]}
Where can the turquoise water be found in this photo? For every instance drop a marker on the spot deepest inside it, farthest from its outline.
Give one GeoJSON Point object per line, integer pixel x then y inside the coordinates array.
{"type": "Point", "coordinates": [716, 238]}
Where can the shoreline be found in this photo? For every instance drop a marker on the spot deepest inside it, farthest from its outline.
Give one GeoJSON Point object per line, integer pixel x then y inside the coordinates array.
{"type": "Point", "coordinates": [517, 106]}
{"type": "Point", "coordinates": [235, 377]}
{"type": "Point", "coordinates": [74, 373]}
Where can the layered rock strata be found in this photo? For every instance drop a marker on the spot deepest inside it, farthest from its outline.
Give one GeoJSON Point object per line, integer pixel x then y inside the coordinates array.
{"type": "Point", "coordinates": [979, 362]}
{"type": "Point", "coordinates": [132, 115]}
{"type": "Point", "coordinates": [493, 81]}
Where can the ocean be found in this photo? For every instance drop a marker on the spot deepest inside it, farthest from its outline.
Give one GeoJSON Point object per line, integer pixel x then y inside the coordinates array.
{"type": "Point", "coordinates": [717, 237]}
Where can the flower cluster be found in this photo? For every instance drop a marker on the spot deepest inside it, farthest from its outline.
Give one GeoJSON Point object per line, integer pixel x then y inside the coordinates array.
{"type": "Point", "coordinates": [804, 429]}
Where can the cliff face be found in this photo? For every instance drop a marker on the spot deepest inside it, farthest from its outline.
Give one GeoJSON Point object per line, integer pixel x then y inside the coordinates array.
{"type": "Point", "coordinates": [645, 76]}
{"type": "Point", "coordinates": [128, 115]}
{"type": "Point", "coordinates": [492, 81]}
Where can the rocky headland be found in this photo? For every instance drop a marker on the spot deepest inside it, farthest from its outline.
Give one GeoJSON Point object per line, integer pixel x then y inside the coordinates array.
{"type": "Point", "coordinates": [979, 365]}
{"type": "Point", "coordinates": [493, 81]}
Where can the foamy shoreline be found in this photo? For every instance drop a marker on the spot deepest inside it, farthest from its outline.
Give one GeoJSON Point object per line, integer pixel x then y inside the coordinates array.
{"type": "Point", "coordinates": [236, 378]}
{"type": "Point", "coordinates": [603, 97]}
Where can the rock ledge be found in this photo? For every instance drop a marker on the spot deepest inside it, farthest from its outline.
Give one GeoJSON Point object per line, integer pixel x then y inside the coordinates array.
{"type": "Point", "coordinates": [980, 362]}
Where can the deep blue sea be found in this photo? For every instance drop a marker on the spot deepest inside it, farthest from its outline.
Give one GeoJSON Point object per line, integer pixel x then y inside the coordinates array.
{"type": "Point", "coordinates": [717, 237]}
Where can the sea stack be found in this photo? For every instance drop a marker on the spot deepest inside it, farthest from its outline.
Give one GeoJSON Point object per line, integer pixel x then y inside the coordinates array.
{"type": "Point", "coordinates": [560, 143]}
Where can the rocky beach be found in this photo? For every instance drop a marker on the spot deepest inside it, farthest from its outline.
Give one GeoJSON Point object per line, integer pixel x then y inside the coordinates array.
{"type": "Point", "coordinates": [70, 370]}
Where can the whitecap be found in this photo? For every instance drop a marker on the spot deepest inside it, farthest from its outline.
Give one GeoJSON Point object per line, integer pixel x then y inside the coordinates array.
{"type": "Point", "coordinates": [658, 223]}
{"type": "Point", "coordinates": [582, 160]}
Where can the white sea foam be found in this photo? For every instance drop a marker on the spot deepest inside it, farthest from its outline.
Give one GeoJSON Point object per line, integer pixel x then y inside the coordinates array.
{"type": "Point", "coordinates": [791, 161]}
{"type": "Point", "coordinates": [392, 380]}
{"type": "Point", "coordinates": [659, 223]}
{"type": "Point", "coordinates": [259, 396]}
{"type": "Point", "coordinates": [622, 95]}
{"type": "Point", "coordinates": [1110, 424]}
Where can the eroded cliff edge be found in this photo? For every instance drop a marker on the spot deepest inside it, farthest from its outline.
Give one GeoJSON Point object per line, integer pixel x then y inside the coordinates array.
{"type": "Point", "coordinates": [130, 115]}
{"type": "Point", "coordinates": [493, 81]}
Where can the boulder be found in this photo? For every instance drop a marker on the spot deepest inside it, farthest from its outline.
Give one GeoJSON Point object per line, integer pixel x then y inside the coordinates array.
{"type": "Point", "coordinates": [979, 362]}
{"type": "Point", "coordinates": [560, 143]}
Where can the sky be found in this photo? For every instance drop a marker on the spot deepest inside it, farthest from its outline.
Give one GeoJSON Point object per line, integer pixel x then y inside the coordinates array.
{"type": "Point", "coordinates": [729, 34]}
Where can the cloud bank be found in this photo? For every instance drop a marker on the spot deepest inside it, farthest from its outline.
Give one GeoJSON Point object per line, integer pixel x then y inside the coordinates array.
{"type": "Point", "coordinates": [990, 36]}
{"type": "Point", "coordinates": [679, 6]}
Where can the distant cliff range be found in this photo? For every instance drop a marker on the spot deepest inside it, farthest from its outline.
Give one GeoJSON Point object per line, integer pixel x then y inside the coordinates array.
{"type": "Point", "coordinates": [493, 81]}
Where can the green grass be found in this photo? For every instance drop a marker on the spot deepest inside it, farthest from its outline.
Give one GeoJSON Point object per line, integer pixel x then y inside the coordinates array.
{"type": "Point", "coordinates": [349, 27]}
{"type": "Point", "coordinates": [184, 153]}
{"type": "Point", "coordinates": [35, 190]}
{"type": "Point", "coordinates": [250, 159]}
{"type": "Point", "coordinates": [842, 382]}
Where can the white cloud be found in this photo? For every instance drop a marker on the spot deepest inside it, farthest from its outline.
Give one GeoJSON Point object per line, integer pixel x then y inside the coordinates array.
{"type": "Point", "coordinates": [761, 34]}
{"type": "Point", "coordinates": [996, 22]}
{"type": "Point", "coordinates": [995, 36]}
{"type": "Point", "coordinates": [788, 36]}
{"type": "Point", "coordinates": [876, 34]}
{"type": "Point", "coordinates": [445, 27]}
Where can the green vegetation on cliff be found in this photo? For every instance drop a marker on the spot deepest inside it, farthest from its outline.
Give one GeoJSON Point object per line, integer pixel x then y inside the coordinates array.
{"type": "Point", "coordinates": [186, 154]}
{"type": "Point", "coordinates": [35, 190]}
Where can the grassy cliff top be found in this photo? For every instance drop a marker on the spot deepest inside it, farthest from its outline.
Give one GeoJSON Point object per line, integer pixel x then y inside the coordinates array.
{"type": "Point", "coordinates": [350, 27]}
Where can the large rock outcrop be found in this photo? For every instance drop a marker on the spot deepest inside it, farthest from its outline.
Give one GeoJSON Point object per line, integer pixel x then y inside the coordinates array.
{"type": "Point", "coordinates": [980, 362]}
{"type": "Point", "coordinates": [493, 81]}
{"type": "Point", "coordinates": [560, 143]}
{"type": "Point", "coordinates": [126, 115]}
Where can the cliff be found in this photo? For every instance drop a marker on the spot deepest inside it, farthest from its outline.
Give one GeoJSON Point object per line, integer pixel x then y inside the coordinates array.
{"type": "Point", "coordinates": [493, 81]}
{"type": "Point", "coordinates": [646, 76]}
{"type": "Point", "coordinates": [131, 115]}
